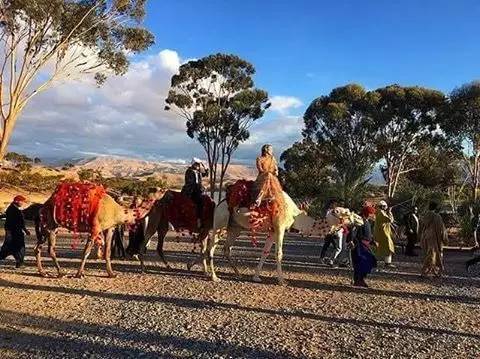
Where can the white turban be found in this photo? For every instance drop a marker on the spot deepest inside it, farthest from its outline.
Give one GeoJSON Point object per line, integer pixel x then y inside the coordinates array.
{"type": "Point", "coordinates": [382, 204]}
{"type": "Point", "coordinates": [196, 160]}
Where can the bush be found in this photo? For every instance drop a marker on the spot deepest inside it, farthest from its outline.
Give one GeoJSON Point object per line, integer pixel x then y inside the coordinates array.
{"type": "Point", "coordinates": [17, 157]}
{"type": "Point", "coordinates": [410, 194]}
{"type": "Point", "coordinates": [32, 182]}
{"type": "Point", "coordinates": [134, 187]}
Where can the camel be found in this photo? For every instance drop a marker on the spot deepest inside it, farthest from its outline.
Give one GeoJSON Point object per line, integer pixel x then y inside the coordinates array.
{"type": "Point", "coordinates": [178, 211]}
{"type": "Point", "coordinates": [233, 222]}
{"type": "Point", "coordinates": [108, 215]}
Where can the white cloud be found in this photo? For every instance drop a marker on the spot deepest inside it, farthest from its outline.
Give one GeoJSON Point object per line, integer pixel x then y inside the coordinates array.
{"type": "Point", "coordinates": [282, 104]}
{"type": "Point", "coordinates": [126, 117]}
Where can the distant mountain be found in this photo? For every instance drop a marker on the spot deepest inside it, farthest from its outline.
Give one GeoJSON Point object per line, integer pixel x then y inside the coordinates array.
{"type": "Point", "coordinates": [111, 166]}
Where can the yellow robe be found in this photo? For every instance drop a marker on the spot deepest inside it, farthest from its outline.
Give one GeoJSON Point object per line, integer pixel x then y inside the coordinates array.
{"type": "Point", "coordinates": [382, 234]}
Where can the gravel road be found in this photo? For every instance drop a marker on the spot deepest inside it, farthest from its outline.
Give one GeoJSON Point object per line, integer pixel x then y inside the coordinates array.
{"type": "Point", "coordinates": [174, 313]}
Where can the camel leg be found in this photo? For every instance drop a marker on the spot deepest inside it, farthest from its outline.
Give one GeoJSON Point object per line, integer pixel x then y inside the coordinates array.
{"type": "Point", "coordinates": [52, 242]}
{"type": "Point", "coordinates": [162, 232]}
{"type": "Point", "coordinates": [108, 252]}
{"type": "Point", "coordinates": [265, 252]}
{"type": "Point", "coordinates": [279, 234]}
{"type": "Point", "coordinates": [38, 255]}
{"type": "Point", "coordinates": [204, 240]}
{"type": "Point", "coordinates": [86, 253]}
{"type": "Point", "coordinates": [203, 255]}
{"type": "Point", "coordinates": [227, 247]}
{"type": "Point", "coordinates": [210, 253]}
{"type": "Point", "coordinates": [139, 257]}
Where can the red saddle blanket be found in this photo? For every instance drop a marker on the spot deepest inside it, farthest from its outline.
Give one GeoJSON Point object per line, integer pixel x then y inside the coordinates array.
{"type": "Point", "coordinates": [239, 194]}
{"type": "Point", "coordinates": [76, 206]}
{"type": "Point", "coordinates": [182, 214]}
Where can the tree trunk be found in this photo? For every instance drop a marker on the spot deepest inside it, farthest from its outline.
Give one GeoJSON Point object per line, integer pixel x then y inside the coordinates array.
{"type": "Point", "coordinates": [8, 125]}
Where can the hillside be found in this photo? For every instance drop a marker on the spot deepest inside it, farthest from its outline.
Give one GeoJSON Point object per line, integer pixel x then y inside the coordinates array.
{"type": "Point", "coordinates": [108, 166]}
{"type": "Point", "coordinates": [173, 172]}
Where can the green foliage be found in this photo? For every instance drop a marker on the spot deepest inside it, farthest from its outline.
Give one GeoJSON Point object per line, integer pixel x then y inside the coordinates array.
{"type": "Point", "coordinates": [217, 97]}
{"type": "Point", "coordinates": [49, 27]}
{"type": "Point", "coordinates": [436, 167]}
{"type": "Point", "coordinates": [342, 127]}
{"type": "Point", "coordinates": [87, 174]}
{"type": "Point", "coordinates": [305, 172]}
{"type": "Point", "coordinates": [17, 158]}
{"type": "Point", "coordinates": [133, 187]}
{"type": "Point", "coordinates": [405, 118]}
{"type": "Point", "coordinates": [410, 193]}
{"type": "Point", "coordinates": [462, 124]}
{"type": "Point", "coordinates": [466, 229]}
{"type": "Point", "coordinates": [67, 166]}
{"type": "Point", "coordinates": [30, 181]}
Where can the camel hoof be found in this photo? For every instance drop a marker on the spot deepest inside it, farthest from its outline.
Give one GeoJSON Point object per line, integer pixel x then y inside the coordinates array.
{"type": "Point", "coordinates": [60, 275]}
{"type": "Point", "coordinates": [43, 274]}
{"type": "Point", "coordinates": [282, 282]}
{"type": "Point", "coordinates": [257, 279]}
{"type": "Point", "coordinates": [112, 275]}
{"type": "Point", "coordinates": [189, 266]}
{"type": "Point", "coordinates": [79, 275]}
{"type": "Point", "coordinates": [215, 279]}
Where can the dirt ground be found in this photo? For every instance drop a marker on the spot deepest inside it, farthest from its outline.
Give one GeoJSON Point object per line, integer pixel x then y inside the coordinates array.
{"type": "Point", "coordinates": [174, 313]}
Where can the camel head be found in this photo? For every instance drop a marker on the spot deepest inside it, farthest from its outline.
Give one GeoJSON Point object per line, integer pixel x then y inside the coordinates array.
{"type": "Point", "coordinates": [310, 226]}
{"type": "Point", "coordinates": [132, 215]}
{"type": "Point", "coordinates": [346, 216]}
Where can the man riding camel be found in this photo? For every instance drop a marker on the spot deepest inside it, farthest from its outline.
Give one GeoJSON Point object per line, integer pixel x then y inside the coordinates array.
{"type": "Point", "coordinates": [193, 187]}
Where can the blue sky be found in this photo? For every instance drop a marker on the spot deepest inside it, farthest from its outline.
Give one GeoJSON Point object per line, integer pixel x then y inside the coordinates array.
{"type": "Point", "coordinates": [301, 49]}
{"type": "Point", "coordinates": [304, 48]}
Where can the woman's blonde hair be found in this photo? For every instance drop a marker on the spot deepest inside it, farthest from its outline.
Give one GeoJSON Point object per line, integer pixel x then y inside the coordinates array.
{"type": "Point", "coordinates": [264, 148]}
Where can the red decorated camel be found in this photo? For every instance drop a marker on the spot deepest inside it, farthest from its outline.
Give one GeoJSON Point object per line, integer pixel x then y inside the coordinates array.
{"type": "Point", "coordinates": [177, 210]}
{"type": "Point", "coordinates": [81, 208]}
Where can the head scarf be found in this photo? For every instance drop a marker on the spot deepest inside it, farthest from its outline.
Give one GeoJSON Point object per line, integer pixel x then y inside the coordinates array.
{"type": "Point", "coordinates": [367, 211]}
{"type": "Point", "coordinates": [19, 198]}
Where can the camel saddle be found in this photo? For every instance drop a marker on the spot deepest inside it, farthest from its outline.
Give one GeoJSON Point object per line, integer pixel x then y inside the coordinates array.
{"type": "Point", "coordinates": [181, 211]}
{"type": "Point", "coordinates": [240, 194]}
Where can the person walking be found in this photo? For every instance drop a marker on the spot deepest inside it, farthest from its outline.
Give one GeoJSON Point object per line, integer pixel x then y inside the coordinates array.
{"type": "Point", "coordinates": [433, 236]}
{"type": "Point", "coordinates": [330, 237]}
{"type": "Point", "coordinates": [412, 224]}
{"type": "Point", "coordinates": [15, 230]}
{"type": "Point", "coordinates": [382, 234]}
{"type": "Point", "coordinates": [363, 260]}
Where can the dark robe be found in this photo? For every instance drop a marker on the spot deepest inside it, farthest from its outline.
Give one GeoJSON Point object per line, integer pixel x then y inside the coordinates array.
{"type": "Point", "coordinates": [411, 231]}
{"type": "Point", "coordinates": [14, 243]}
{"type": "Point", "coordinates": [363, 260]}
{"type": "Point", "coordinates": [194, 189]}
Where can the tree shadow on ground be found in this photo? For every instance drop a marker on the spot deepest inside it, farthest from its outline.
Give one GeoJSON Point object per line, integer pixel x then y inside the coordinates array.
{"type": "Point", "coordinates": [74, 338]}
{"type": "Point", "coordinates": [203, 304]}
